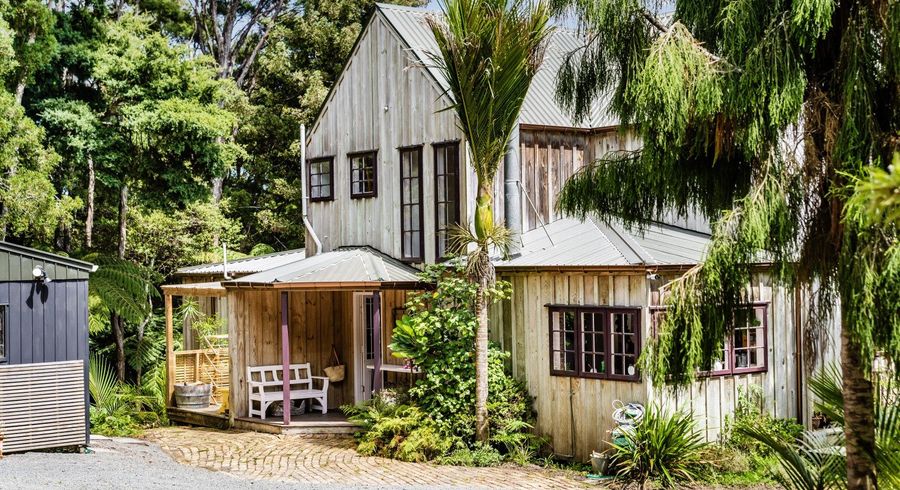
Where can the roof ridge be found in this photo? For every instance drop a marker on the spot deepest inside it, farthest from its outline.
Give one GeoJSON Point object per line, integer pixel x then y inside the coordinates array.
{"type": "Point", "coordinates": [241, 260]}
{"type": "Point", "coordinates": [47, 256]}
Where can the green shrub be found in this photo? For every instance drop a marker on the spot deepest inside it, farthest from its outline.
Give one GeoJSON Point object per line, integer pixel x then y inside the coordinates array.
{"type": "Point", "coordinates": [749, 414]}
{"type": "Point", "coordinates": [122, 409]}
{"type": "Point", "coordinates": [438, 335]}
{"type": "Point", "coordinates": [663, 447]}
{"type": "Point", "coordinates": [396, 430]}
{"type": "Point", "coordinates": [480, 455]}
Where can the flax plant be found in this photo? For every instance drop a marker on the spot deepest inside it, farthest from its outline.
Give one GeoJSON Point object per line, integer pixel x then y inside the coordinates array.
{"type": "Point", "coordinates": [488, 53]}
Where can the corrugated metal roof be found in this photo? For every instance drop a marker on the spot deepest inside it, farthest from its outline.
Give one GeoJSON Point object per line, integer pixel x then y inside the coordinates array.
{"type": "Point", "coordinates": [596, 243]}
{"type": "Point", "coordinates": [248, 265]}
{"type": "Point", "coordinates": [345, 265]}
{"type": "Point", "coordinates": [540, 107]}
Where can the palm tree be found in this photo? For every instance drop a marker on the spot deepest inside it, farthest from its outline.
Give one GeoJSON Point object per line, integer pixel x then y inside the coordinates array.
{"type": "Point", "coordinates": [489, 52]}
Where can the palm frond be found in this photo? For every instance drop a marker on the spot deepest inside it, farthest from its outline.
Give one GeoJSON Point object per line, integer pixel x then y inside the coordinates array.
{"type": "Point", "coordinates": [103, 385]}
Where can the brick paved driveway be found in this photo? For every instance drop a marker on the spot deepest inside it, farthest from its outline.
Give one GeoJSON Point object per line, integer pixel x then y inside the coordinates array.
{"type": "Point", "coordinates": [332, 460]}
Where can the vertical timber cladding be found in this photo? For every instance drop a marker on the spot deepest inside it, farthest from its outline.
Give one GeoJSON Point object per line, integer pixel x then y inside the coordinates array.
{"type": "Point", "coordinates": [42, 405]}
{"type": "Point", "coordinates": [575, 413]}
{"type": "Point", "coordinates": [316, 319]}
{"type": "Point", "coordinates": [384, 100]}
{"type": "Point", "coordinates": [549, 157]}
{"type": "Point", "coordinates": [712, 399]}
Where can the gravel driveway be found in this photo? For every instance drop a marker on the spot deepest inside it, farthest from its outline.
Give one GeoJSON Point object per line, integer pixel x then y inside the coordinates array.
{"type": "Point", "coordinates": [117, 463]}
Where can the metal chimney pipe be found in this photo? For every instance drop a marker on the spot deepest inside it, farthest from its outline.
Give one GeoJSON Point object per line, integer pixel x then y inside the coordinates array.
{"type": "Point", "coordinates": [512, 196]}
{"type": "Point", "coordinates": [304, 188]}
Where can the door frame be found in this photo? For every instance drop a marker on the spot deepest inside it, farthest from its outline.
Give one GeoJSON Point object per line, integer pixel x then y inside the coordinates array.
{"type": "Point", "coordinates": [362, 389]}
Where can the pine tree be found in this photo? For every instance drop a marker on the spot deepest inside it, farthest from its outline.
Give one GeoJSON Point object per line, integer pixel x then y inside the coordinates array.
{"type": "Point", "coordinates": [767, 117]}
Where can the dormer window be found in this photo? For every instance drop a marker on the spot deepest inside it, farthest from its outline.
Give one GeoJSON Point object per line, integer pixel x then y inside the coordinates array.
{"type": "Point", "coordinates": [363, 174]}
{"type": "Point", "coordinates": [321, 179]}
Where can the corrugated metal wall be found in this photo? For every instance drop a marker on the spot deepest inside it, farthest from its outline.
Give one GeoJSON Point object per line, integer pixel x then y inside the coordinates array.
{"type": "Point", "coordinates": [42, 405]}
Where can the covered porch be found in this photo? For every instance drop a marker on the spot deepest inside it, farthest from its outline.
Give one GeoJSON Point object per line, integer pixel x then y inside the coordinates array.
{"type": "Point", "coordinates": [336, 308]}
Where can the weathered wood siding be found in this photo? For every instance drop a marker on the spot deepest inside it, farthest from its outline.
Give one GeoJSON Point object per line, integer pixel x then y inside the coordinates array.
{"type": "Point", "coordinates": [316, 320]}
{"type": "Point", "coordinates": [549, 157]}
{"type": "Point", "coordinates": [713, 399]}
{"type": "Point", "coordinates": [384, 100]}
{"type": "Point", "coordinates": [584, 416]}
{"type": "Point", "coordinates": [521, 326]}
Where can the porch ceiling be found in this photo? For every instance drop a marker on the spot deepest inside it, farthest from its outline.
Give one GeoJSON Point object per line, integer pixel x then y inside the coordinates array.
{"type": "Point", "coordinates": [351, 268]}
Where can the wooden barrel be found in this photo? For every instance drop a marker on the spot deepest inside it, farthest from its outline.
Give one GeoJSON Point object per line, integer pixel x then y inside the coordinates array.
{"type": "Point", "coordinates": [192, 395]}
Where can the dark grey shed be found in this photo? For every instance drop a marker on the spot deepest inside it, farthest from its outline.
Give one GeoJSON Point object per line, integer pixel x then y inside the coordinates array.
{"type": "Point", "coordinates": [43, 349]}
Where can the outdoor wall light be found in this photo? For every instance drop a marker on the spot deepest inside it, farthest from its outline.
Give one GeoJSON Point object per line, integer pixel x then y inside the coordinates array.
{"type": "Point", "coordinates": [40, 274]}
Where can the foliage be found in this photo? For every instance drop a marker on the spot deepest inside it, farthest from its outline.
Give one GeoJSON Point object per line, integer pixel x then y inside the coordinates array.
{"type": "Point", "coordinates": [438, 335]}
{"type": "Point", "coordinates": [813, 462]}
{"type": "Point", "coordinates": [121, 409]}
{"type": "Point", "coordinates": [166, 240]}
{"type": "Point", "coordinates": [749, 413]}
{"type": "Point", "coordinates": [396, 430]}
{"type": "Point", "coordinates": [481, 455]}
{"type": "Point", "coordinates": [663, 447]}
{"type": "Point", "coordinates": [826, 386]}
{"type": "Point", "coordinates": [761, 117]}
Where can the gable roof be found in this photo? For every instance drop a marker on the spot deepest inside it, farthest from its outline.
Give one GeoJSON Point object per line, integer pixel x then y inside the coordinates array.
{"type": "Point", "coordinates": [540, 107]}
{"type": "Point", "coordinates": [17, 262]}
{"type": "Point", "coordinates": [247, 265]}
{"type": "Point", "coordinates": [596, 243]}
{"type": "Point", "coordinates": [344, 267]}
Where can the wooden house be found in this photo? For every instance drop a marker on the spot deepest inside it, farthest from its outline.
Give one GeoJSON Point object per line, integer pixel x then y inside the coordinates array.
{"type": "Point", "coordinates": [43, 349]}
{"type": "Point", "coordinates": [388, 170]}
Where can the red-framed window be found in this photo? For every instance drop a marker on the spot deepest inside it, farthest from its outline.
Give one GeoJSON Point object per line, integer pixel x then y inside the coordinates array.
{"type": "Point", "coordinates": [746, 350]}
{"type": "Point", "coordinates": [595, 342]}
{"type": "Point", "coordinates": [363, 174]}
{"type": "Point", "coordinates": [321, 179]}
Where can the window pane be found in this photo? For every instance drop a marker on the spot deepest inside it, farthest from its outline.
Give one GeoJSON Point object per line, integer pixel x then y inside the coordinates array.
{"type": "Point", "coordinates": [410, 200]}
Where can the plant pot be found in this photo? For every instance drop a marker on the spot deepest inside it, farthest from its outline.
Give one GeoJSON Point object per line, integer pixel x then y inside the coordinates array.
{"type": "Point", "coordinates": [600, 463]}
{"type": "Point", "coordinates": [192, 395]}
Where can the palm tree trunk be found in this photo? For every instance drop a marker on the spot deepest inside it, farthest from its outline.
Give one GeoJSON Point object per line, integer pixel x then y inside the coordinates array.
{"type": "Point", "coordinates": [859, 420]}
{"type": "Point", "coordinates": [482, 431]}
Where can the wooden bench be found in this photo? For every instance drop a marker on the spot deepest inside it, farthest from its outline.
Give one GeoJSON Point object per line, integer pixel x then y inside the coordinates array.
{"type": "Point", "coordinates": [266, 387]}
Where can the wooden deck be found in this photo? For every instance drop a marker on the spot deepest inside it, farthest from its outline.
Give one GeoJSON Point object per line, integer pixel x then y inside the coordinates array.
{"type": "Point", "coordinates": [311, 423]}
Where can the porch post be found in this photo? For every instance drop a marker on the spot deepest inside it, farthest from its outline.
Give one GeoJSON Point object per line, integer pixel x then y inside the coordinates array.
{"type": "Point", "coordinates": [376, 327]}
{"type": "Point", "coordinates": [285, 360]}
{"type": "Point", "coordinates": [170, 352]}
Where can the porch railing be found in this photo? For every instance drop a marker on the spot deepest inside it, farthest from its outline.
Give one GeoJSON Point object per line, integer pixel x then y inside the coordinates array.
{"type": "Point", "coordinates": [206, 366]}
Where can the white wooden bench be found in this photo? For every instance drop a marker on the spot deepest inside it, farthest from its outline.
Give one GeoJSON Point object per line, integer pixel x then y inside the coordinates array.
{"type": "Point", "coordinates": [266, 387]}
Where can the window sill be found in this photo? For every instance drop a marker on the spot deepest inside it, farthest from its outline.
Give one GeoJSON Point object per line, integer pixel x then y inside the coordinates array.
{"type": "Point", "coordinates": [598, 377]}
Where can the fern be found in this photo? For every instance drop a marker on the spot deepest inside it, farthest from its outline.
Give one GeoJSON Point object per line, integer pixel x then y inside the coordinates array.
{"type": "Point", "coordinates": [123, 287]}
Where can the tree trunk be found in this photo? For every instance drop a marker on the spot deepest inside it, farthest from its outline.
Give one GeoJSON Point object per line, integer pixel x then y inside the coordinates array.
{"type": "Point", "coordinates": [118, 327]}
{"type": "Point", "coordinates": [482, 422]}
{"type": "Point", "coordinates": [20, 86]}
{"type": "Point", "coordinates": [123, 216]}
{"type": "Point", "coordinates": [89, 219]}
{"type": "Point", "coordinates": [859, 408]}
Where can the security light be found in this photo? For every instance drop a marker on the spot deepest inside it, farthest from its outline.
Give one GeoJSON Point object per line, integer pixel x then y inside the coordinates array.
{"type": "Point", "coordinates": [40, 274]}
